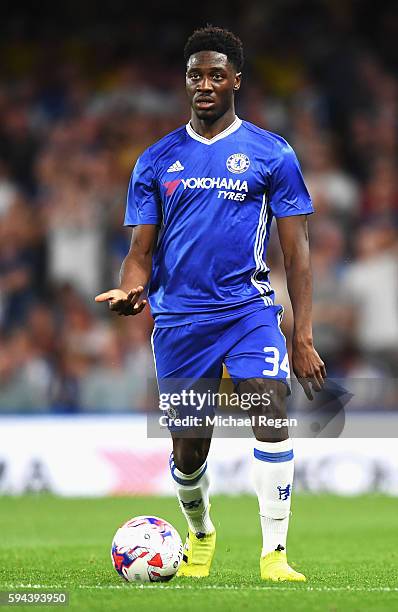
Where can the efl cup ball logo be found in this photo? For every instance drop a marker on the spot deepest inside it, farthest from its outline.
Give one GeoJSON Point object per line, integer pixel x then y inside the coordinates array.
{"type": "Point", "coordinates": [238, 163]}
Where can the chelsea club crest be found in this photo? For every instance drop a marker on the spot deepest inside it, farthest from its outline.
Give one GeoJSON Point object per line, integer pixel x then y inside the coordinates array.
{"type": "Point", "coordinates": [172, 413]}
{"type": "Point", "coordinates": [238, 163]}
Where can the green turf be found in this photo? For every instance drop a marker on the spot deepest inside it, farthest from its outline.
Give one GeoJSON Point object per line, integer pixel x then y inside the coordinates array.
{"type": "Point", "coordinates": [344, 545]}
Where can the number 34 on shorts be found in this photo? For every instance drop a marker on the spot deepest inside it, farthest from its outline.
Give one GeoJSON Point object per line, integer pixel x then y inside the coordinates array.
{"type": "Point", "coordinates": [275, 365]}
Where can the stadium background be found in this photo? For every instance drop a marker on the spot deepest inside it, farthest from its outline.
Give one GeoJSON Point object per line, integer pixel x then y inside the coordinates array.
{"type": "Point", "coordinates": [84, 89]}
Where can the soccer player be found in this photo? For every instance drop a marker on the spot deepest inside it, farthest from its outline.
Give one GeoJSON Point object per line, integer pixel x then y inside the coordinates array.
{"type": "Point", "coordinates": [201, 201]}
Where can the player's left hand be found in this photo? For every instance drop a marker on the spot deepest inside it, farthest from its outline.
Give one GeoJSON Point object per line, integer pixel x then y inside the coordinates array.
{"type": "Point", "coordinates": [308, 367]}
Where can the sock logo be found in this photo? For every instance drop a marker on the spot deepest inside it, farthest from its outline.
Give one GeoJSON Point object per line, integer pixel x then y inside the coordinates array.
{"type": "Point", "coordinates": [284, 493]}
{"type": "Point", "coordinates": [192, 505]}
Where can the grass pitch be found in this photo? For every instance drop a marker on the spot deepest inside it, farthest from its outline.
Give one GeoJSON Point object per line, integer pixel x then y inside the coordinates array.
{"type": "Point", "coordinates": [345, 546]}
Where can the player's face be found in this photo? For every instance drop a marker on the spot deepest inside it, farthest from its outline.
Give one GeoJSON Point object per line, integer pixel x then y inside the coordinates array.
{"type": "Point", "coordinates": [210, 83]}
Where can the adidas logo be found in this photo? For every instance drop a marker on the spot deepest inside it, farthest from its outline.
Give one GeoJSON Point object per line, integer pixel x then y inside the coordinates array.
{"type": "Point", "coordinates": [176, 167]}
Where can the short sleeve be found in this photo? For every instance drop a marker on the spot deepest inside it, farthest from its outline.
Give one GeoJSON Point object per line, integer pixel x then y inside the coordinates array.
{"type": "Point", "coordinates": [143, 205]}
{"type": "Point", "coordinates": [288, 194]}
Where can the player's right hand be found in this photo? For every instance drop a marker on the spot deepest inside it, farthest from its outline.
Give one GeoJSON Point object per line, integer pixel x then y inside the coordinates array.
{"type": "Point", "coordinates": [123, 303]}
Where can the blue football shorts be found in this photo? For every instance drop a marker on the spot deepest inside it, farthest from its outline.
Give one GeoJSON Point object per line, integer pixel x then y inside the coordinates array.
{"type": "Point", "coordinates": [191, 356]}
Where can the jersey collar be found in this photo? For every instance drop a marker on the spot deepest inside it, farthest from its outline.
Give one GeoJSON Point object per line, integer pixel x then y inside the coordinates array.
{"type": "Point", "coordinates": [229, 130]}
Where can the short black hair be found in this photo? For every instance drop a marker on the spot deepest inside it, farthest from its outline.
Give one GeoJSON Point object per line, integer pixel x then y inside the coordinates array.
{"type": "Point", "coordinates": [212, 38]}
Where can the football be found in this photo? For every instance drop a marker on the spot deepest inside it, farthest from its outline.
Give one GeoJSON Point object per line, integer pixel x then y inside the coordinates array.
{"type": "Point", "coordinates": [146, 549]}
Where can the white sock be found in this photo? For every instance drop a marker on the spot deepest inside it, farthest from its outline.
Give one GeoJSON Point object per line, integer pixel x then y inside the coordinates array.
{"type": "Point", "coordinates": [273, 468]}
{"type": "Point", "coordinates": [193, 496]}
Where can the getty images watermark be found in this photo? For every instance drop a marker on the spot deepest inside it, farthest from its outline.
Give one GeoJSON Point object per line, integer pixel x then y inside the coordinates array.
{"type": "Point", "coordinates": [344, 407]}
{"type": "Point", "coordinates": [200, 407]}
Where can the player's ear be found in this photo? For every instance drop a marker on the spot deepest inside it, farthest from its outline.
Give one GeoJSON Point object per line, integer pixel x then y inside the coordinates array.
{"type": "Point", "coordinates": [238, 79]}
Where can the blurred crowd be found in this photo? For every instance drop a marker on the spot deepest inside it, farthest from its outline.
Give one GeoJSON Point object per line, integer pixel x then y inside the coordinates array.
{"type": "Point", "coordinates": [71, 129]}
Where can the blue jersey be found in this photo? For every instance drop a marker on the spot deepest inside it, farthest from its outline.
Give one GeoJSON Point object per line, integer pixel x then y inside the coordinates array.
{"type": "Point", "coordinates": [214, 201]}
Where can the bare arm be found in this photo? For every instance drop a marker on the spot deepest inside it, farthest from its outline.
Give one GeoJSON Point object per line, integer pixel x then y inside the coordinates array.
{"type": "Point", "coordinates": [135, 273]}
{"type": "Point", "coordinates": [307, 365]}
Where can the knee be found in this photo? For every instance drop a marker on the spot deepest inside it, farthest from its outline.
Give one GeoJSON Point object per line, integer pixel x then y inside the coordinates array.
{"type": "Point", "coordinates": [190, 455]}
{"type": "Point", "coordinates": [264, 396]}
{"type": "Point", "coordinates": [267, 399]}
